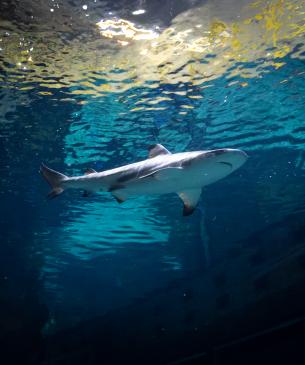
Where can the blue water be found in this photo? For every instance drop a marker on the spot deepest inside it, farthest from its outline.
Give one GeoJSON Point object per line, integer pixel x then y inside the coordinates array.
{"type": "Point", "coordinates": [71, 260]}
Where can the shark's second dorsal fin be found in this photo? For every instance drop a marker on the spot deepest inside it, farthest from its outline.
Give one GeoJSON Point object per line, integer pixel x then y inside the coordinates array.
{"type": "Point", "coordinates": [90, 171]}
{"type": "Point", "coordinates": [156, 150]}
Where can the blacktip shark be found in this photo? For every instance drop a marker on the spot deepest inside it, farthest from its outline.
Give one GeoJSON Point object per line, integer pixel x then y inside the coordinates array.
{"type": "Point", "coordinates": [163, 172]}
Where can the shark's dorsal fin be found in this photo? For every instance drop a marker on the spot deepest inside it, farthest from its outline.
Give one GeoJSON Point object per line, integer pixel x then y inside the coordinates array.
{"type": "Point", "coordinates": [89, 171]}
{"type": "Point", "coordinates": [156, 150]}
{"type": "Point", "coordinates": [190, 199]}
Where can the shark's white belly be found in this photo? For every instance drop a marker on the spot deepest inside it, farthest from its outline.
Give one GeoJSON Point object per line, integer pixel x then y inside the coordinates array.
{"type": "Point", "coordinates": [155, 187]}
{"type": "Point", "coordinates": [185, 179]}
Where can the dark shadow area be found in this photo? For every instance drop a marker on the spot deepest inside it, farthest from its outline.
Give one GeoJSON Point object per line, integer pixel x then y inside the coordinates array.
{"type": "Point", "coordinates": [212, 318]}
{"type": "Point", "coordinates": [23, 307]}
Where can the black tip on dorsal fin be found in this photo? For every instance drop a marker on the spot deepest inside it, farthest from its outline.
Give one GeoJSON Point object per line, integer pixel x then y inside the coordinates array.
{"type": "Point", "coordinates": [188, 210]}
{"type": "Point", "coordinates": [156, 150]}
{"type": "Point", "coordinates": [89, 171]}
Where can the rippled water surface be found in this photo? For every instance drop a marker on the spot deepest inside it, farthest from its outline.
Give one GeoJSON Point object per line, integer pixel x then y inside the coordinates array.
{"type": "Point", "coordinates": [92, 84]}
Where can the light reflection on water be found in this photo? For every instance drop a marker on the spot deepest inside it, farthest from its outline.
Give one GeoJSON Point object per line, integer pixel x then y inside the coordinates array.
{"type": "Point", "coordinates": [199, 45]}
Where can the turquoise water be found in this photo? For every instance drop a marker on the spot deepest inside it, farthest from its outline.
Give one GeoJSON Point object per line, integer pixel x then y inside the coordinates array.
{"type": "Point", "coordinates": [71, 260]}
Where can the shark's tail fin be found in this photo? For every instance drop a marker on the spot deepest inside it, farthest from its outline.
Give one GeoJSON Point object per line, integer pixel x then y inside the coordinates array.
{"type": "Point", "coordinates": [54, 179]}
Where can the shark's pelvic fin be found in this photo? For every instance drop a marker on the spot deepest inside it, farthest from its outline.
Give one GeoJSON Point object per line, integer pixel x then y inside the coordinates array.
{"type": "Point", "coordinates": [89, 171]}
{"type": "Point", "coordinates": [190, 200]}
{"type": "Point", "coordinates": [164, 174]}
{"type": "Point", "coordinates": [156, 150]}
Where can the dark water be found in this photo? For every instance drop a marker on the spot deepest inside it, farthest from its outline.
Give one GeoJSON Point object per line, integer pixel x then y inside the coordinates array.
{"type": "Point", "coordinates": [86, 280]}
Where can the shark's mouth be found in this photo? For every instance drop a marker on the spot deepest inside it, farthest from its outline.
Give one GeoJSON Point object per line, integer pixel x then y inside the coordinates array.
{"type": "Point", "coordinates": [227, 163]}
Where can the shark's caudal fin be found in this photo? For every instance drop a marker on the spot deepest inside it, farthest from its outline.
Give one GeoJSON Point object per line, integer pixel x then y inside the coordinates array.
{"type": "Point", "coordinates": [54, 179]}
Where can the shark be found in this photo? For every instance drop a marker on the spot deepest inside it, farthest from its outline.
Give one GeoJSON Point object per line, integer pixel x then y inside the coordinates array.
{"type": "Point", "coordinates": [163, 172]}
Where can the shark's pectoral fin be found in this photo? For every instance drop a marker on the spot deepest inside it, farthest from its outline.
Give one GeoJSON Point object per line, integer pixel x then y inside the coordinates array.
{"type": "Point", "coordinates": [190, 200]}
{"type": "Point", "coordinates": [119, 197]}
{"type": "Point", "coordinates": [118, 193]}
{"type": "Point", "coordinates": [164, 174]}
{"type": "Point", "coordinates": [156, 150]}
